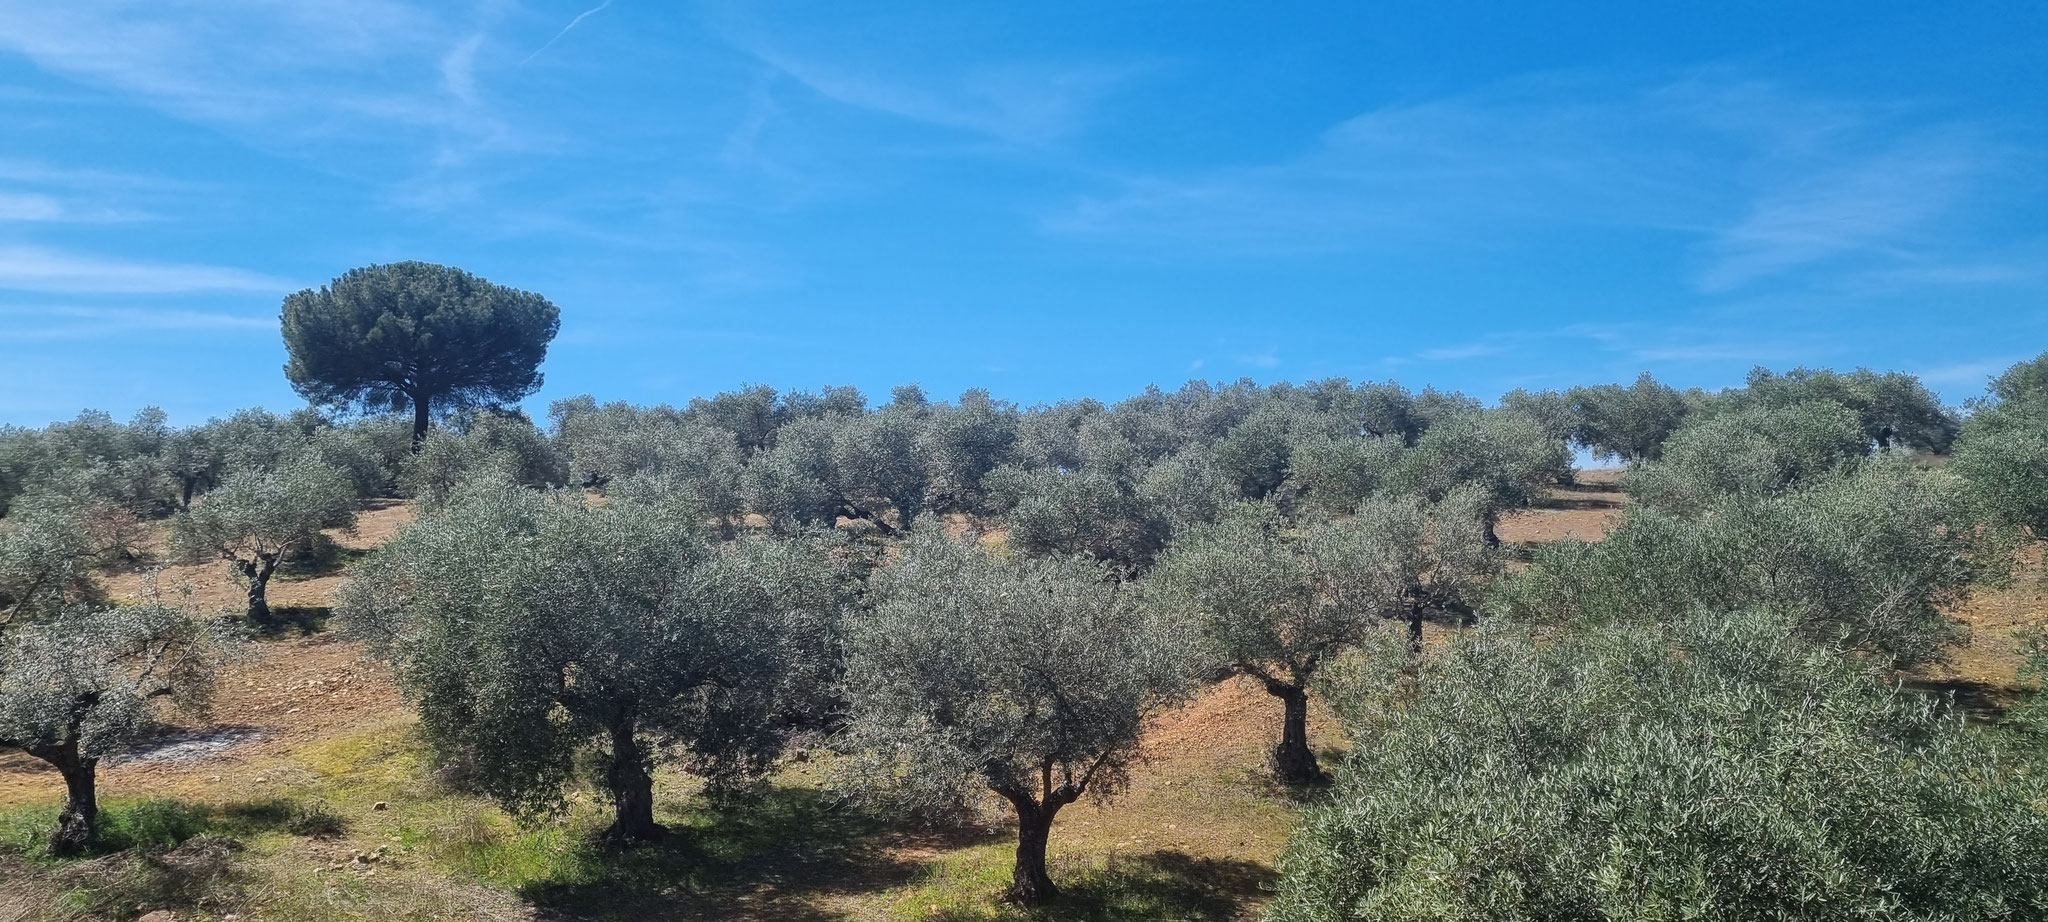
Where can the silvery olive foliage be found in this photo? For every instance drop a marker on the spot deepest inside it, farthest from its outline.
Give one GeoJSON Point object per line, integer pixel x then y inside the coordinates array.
{"type": "Point", "coordinates": [1085, 513]}
{"type": "Point", "coordinates": [1332, 474]}
{"type": "Point", "coordinates": [530, 627]}
{"type": "Point", "coordinates": [80, 685]}
{"type": "Point", "coordinates": [2003, 451]}
{"type": "Point", "coordinates": [1186, 489]}
{"type": "Point", "coordinates": [882, 463]}
{"type": "Point", "coordinates": [1753, 452]}
{"type": "Point", "coordinates": [795, 483]}
{"type": "Point", "coordinates": [1711, 768]}
{"type": "Point", "coordinates": [255, 521]}
{"type": "Point", "coordinates": [1863, 561]}
{"type": "Point", "coordinates": [1030, 678]}
{"type": "Point", "coordinates": [1554, 412]}
{"type": "Point", "coordinates": [1256, 454]}
{"type": "Point", "coordinates": [1505, 455]}
{"type": "Point", "coordinates": [50, 546]}
{"type": "Point", "coordinates": [488, 444]}
{"type": "Point", "coordinates": [1630, 423]}
{"type": "Point", "coordinates": [961, 443]}
{"type": "Point", "coordinates": [1892, 408]}
{"type": "Point", "coordinates": [1282, 604]}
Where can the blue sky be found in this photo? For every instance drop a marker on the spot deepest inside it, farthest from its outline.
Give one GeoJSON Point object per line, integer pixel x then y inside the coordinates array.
{"type": "Point", "coordinates": [1049, 200]}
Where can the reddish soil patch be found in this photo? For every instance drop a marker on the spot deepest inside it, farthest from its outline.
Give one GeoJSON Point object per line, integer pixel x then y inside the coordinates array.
{"type": "Point", "coordinates": [1984, 670]}
{"type": "Point", "coordinates": [1584, 510]}
{"type": "Point", "coordinates": [213, 586]}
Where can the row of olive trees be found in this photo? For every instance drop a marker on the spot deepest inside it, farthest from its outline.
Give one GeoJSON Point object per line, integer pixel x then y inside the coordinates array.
{"type": "Point", "coordinates": [532, 627]}
{"type": "Point", "coordinates": [1694, 717]}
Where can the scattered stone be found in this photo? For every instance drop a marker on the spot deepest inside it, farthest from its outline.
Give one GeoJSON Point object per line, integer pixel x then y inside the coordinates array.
{"type": "Point", "coordinates": [161, 915]}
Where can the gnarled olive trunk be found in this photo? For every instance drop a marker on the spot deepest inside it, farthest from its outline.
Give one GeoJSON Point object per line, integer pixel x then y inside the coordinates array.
{"type": "Point", "coordinates": [78, 826]}
{"type": "Point", "coordinates": [631, 785]}
{"type": "Point", "coordinates": [258, 573]}
{"type": "Point", "coordinates": [1293, 761]}
{"type": "Point", "coordinates": [1029, 882]}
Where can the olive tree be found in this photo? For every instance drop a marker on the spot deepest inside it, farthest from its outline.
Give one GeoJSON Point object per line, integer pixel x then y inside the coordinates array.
{"type": "Point", "coordinates": [881, 460]}
{"type": "Point", "coordinates": [1029, 678]}
{"type": "Point", "coordinates": [1085, 513]}
{"type": "Point", "coordinates": [1280, 606]}
{"type": "Point", "coordinates": [795, 483]}
{"type": "Point", "coordinates": [257, 520]}
{"type": "Point", "coordinates": [79, 686]}
{"type": "Point", "coordinates": [1711, 768]}
{"type": "Point", "coordinates": [1889, 407]}
{"type": "Point", "coordinates": [1507, 456]}
{"type": "Point", "coordinates": [1333, 474]}
{"type": "Point", "coordinates": [416, 334]}
{"type": "Point", "coordinates": [530, 628]}
{"type": "Point", "coordinates": [1864, 562]}
{"type": "Point", "coordinates": [1756, 451]}
{"type": "Point", "coordinates": [49, 547]}
{"type": "Point", "coordinates": [961, 443]}
{"type": "Point", "coordinates": [2003, 451]}
{"type": "Point", "coordinates": [1630, 423]}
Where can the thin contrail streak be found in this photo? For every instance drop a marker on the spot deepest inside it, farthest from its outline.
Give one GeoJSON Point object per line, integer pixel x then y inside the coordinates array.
{"type": "Point", "coordinates": [586, 14]}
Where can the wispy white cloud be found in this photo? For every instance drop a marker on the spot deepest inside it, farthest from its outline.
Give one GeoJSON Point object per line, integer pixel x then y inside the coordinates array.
{"type": "Point", "coordinates": [458, 69]}
{"type": "Point", "coordinates": [72, 322]}
{"type": "Point", "coordinates": [1020, 103]}
{"type": "Point", "coordinates": [29, 206]}
{"type": "Point", "coordinates": [29, 268]}
{"type": "Point", "coordinates": [1979, 372]}
{"type": "Point", "coordinates": [1763, 181]}
{"type": "Point", "coordinates": [288, 73]}
{"type": "Point", "coordinates": [1268, 357]}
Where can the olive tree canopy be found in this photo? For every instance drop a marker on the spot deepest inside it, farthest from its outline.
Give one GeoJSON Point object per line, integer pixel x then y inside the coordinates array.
{"type": "Point", "coordinates": [1030, 679]}
{"type": "Point", "coordinates": [2003, 451]}
{"type": "Point", "coordinates": [412, 333]}
{"type": "Point", "coordinates": [1629, 423]}
{"type": "Point", "coordinates": [1864, 561]}
{"type": "Point", "coordinates": [257, 520]}
{"type": "Point", "coordinates": [78, 686]}
{"type": "Point", "coordinates": [1714, 768]}
{"type": "Point", "coordinates": [530, 628]}
{"type": "Point", "coordinates": [1281, 605]}
{"type": "Point", "coordinates": [1756, 451]}
{"type": "Point", "coordinates": [1890, 407]}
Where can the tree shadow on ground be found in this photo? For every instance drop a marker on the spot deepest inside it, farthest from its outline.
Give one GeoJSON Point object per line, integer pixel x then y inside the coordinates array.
{"type": "Point", "coordinates": [1598, 499]}
{"type": "Point", "coordinates": [1156, 885]}
{"type": "Point", "coordinates": [1979, 702]}
{"type": "Point", "coordinates": [771, 853]}
{"type": "Point", "coordinates": [293, 621]}
{"type": "Point", "coordinates": [324, 557]}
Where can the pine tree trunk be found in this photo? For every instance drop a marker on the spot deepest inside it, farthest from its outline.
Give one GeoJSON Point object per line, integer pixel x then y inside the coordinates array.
{"type": "Point", "coordinates": [1293, 761]}
{"type": "Point", "coordinates": [420, 410]}
{"type": "Point", "coordinates": [78, 827]}
{"type": "Point", "coordinates": [1030, 885]}
{"type": "Point", "coordinates": [632, 787]}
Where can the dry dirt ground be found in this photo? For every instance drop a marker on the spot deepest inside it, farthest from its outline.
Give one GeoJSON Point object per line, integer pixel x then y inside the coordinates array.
{"type": "Point", "coordinates": [303, 709]}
